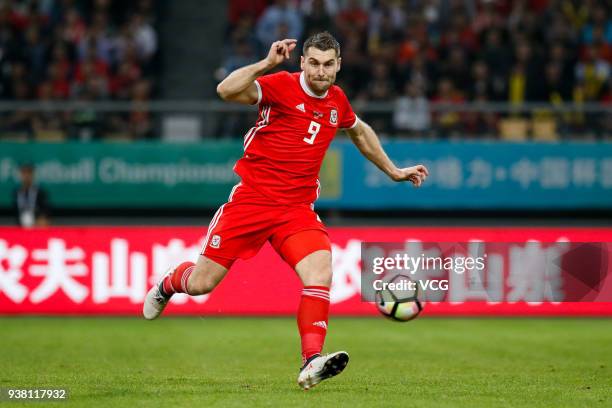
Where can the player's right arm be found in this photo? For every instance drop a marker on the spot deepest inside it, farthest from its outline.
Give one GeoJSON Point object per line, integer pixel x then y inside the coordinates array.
{"type": "Point", "coordinates": [239, 86]}
{"type": "Point", "coordinates": [368, 143]}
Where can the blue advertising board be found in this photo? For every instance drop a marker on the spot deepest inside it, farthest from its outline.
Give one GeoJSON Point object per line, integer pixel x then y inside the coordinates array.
{"type": "Point", "coordinates": [478, 175]}
{"type": "Point", "coordinates": [463, 175]}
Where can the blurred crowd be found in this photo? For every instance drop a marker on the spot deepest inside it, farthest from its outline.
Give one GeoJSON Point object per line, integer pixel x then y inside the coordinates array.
{"type": "Point", "coordinates": [409, 55]}
{"type": "Point", "coordinates": [415, 53]}
{"type": "Point", "coordinates": [77, 50]}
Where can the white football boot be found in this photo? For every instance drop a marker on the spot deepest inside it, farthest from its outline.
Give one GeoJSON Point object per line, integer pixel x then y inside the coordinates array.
{"type": "Point", "coordinates": [318, 368]}
{"type": "Point", "coordinates": [155, 301]}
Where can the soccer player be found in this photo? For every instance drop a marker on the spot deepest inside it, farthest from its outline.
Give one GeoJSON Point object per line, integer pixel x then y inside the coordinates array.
{"type": "Point", "coordinates": [299, 114]}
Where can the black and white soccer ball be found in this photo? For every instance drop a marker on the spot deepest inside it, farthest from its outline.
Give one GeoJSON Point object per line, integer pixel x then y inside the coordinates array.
{"type": "Point", "coordinates": [400, 305]}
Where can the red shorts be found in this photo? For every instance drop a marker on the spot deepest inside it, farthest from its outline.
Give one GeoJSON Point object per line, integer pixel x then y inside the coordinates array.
{"type": "Point", "coordinates": [241, 226]}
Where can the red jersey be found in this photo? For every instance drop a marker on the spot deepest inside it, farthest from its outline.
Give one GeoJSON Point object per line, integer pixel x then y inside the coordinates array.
{"type": "Point", "coordinates": [283, 152]}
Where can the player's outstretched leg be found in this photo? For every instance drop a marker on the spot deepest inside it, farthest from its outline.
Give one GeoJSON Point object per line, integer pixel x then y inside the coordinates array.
{"type": "Point", "coordinates": [193, 279]}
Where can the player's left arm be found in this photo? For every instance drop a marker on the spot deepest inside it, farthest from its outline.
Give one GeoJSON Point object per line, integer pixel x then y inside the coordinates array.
{"type": "Point", "coordinates": [366, 140]}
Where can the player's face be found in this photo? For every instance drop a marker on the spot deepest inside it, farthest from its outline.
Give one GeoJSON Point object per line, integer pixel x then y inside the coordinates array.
{"type": "Point", "coordinates": [320, 68]}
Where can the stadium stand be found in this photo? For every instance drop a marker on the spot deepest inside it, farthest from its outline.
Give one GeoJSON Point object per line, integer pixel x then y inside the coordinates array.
{"type": "Point", "coordinates": [549, 52]}
{"type": "Point", "coordinates": [418, 62]}
{"type": "Point", "coordinates": [60, 50]}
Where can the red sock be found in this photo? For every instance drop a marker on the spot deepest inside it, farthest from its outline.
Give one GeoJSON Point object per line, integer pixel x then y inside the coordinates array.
{"type": "Point", "coordinates": [176, 282]}
{"type": "Point", "coordinates": [312, 319]}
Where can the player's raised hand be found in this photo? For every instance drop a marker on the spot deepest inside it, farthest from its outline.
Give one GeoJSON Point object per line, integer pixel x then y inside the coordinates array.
{"type": "Point", "coordinates": [280, 51]}
{"type": "Point", "coordinates": [415, 174]}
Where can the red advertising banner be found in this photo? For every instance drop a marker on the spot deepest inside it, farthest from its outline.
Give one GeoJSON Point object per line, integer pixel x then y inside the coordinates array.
{"type": "Point", "coordinates": [108, 270]}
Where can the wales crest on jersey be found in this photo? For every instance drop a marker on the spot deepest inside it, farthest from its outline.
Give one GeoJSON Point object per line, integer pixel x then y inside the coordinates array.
{"type": "Point", "coordinates": [333, 117]}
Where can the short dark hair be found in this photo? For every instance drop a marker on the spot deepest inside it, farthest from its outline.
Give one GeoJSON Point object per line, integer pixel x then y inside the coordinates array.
{"type": "Point", "coordinates": [322, 41]}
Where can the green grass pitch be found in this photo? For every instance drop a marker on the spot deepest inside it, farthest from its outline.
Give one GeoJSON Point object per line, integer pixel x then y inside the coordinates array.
{"type": "Point", "coordinates": [252, 362]}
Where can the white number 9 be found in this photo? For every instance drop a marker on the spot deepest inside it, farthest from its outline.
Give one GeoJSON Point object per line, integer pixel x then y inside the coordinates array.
{"type": "Point", "coordinates": [313, 130]}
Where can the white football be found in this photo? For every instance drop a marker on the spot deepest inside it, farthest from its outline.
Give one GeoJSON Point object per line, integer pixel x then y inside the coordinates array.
{"type": "Point", "coordinates": [399, 305]}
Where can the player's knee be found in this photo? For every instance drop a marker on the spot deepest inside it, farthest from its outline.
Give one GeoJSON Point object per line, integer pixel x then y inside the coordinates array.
{"type": "Point", "coordinates": [319, 277]}
{"type": "Point", "coordinates": [326, 277]}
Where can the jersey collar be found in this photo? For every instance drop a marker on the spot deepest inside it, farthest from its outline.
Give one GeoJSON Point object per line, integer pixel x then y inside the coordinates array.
{"type": "Point", "coordinates": [307, 89]}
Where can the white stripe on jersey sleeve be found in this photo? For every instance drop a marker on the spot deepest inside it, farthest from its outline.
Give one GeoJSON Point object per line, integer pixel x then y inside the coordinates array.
{"type": "Point", "coordinates": [354, 123]}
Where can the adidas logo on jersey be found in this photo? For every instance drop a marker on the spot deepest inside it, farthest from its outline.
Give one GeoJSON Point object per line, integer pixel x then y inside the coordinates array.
{"type": "Point", "coordinates": [321, 324]}
{"type": "Point", "coordinates": [301, 107]}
